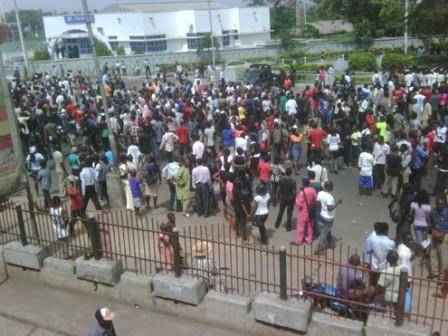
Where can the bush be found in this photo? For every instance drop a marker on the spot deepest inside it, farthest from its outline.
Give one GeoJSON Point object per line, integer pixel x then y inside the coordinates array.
{"type": "Point", "coordinates": [139, 51]}
{"type": "Point", "coordinates": [312, 66]}
{"type": "Point", "coordinates": [362, 62]}
{"type": "Point", "coordinates": [121, 51]}
{"type": "Point", "coordinates": [392, 61]}
{"type": "Point", "coordinates": [40, 54]}
{"type": "Point", "coordinates": [102, 49]}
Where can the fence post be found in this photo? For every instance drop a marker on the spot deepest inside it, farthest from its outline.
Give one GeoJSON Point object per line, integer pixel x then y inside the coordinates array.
{"type": "Point", "coordinates": [176, 249]}
{"type": "Point", "coordinates": [94, 238]}
{"type": "Point", "coordinates": [282, 255]}
{"type": "Point", "coordinates": [21, 225]}
{"type": "Point", "coordinates": [403, 286]}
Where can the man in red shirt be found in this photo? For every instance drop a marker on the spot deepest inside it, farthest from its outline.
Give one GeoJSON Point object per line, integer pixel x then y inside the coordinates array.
{"type": "Point", "coordinates": [183, 133]}
{"type": "Point", "coordinates": [76, 203]}
{"type": "Point", "coordinates": [315, 136]}
{"type": "Point", "coordinates": [397, 97]}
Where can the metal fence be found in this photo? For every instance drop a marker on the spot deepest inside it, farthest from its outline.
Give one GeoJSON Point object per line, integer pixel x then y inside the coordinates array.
{"type": "Point", "coordinates": [231, 267]}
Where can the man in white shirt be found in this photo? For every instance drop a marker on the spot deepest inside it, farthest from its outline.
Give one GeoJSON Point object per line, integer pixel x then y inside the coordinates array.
{"type": "Point", "coordinates": [381, 245]}
{"type": "Point", "coordinates": [406, 256]}
{"type": "Point", "coordinates": [380, 151]}
{"type": "Point", "coordinates": [366, 163]}
{"type": "Point", "coordinates": [169, 140]}
{"type": "Point", "coordinates": [327, 205]}
{"type": "Point", "coordinates": [198, 148]}
{"type": "Point", "coordinates": [291, 106]}
{"type": "Point", "coordinates": [320, 172]}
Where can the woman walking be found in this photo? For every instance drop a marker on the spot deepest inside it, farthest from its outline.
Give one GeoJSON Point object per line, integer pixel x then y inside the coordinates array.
{"type": "Point", "coordinates": [260, 208]}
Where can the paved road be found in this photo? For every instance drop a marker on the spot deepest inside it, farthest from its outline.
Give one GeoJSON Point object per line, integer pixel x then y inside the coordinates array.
{"type": "Point", "coordinates": [30, 309]}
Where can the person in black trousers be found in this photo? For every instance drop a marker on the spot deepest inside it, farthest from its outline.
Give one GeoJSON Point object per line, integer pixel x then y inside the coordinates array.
{"type": "Point", "coordinates": [286, 193]}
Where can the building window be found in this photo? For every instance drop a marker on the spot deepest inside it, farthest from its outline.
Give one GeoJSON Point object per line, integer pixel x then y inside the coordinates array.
{"type": "Point", "coordinates": [82, 45]}
{"type": "Point", "coordinates": [226, 36]}
{"type": "Point", "coordinates": [193, 40]}
{"type": "Point", "coordinates": [113, 37]}
{"type": "Point", "coordinates": [149, 43]}
{"type": "Point", "coordinates": [114, 45]}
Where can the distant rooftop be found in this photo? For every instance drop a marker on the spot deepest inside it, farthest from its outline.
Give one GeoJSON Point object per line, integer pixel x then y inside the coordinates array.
{"type": "Point", "coordinates": [163, 7]}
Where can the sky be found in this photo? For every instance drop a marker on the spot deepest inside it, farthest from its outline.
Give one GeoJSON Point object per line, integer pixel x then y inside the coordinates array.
{"type": "Point", "coordinates": [76, 5]}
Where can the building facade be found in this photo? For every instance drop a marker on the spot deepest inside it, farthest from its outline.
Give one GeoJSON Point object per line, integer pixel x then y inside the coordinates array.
{"type": "Point", "coordinates": [159, 27]}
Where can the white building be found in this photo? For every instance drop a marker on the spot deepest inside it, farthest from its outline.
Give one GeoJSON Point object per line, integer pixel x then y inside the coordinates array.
{"type": "Point", "coordinates": [158, 27]}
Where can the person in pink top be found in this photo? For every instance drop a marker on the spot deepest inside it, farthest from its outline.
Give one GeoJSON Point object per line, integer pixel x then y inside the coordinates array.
{"type": "Point", "coordinates": [264, 172]}
{"type": "Point", "coordinates": [305, 197]}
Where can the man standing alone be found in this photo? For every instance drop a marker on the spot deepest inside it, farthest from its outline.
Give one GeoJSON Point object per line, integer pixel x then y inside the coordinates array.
{"type": "Point", "coordinates": [286, 192]}
{"type": "Point", "coordinates": [327, 214]}
{"type": "Point", "coordinates": [202, 183]}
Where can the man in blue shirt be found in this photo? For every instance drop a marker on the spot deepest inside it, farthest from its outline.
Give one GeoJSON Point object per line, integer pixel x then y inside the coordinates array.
{"type": "Point", "coordinates": [416, 165]}
{"type": "Point", "coordinates": [438, 227]}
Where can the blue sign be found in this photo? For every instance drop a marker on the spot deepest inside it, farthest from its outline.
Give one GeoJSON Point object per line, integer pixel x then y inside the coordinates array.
{"type": "Point", "coordinates": [71, 19]}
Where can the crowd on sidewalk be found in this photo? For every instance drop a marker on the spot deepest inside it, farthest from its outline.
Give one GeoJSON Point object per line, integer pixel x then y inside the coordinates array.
{"type": "Point", "coordinates": [241, 143]}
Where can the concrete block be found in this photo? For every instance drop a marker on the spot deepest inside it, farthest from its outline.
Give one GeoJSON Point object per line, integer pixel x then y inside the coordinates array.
{"type": "Point", "coordinates": [227, 306]}
{"type": "Point", "coordinates": [292, 313]}
{"type": "Point", "coordinates": [327, 325]}
{"type": "Point", "coordinates": [59, 267]}
{"type": "Point", "coordinates": [115, 191]}
{"type": "Point", "coordinates": [29, 256]}
{"type": "Point", "coordinates": [102, 271]}
{"type": "Point", "coordinates": [184, 289]}
{"type": "Point", "coordinates": [129, 280]}
{"type": "Point", "coordinates": [384, 326]}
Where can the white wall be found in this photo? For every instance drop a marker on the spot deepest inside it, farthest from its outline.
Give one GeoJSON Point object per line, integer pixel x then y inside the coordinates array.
{"type": "Point", "coordinates": [175, 25]}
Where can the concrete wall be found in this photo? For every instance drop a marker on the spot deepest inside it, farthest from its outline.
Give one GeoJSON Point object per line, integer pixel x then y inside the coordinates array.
{"type": "Point", "coordinates": [87, 67]}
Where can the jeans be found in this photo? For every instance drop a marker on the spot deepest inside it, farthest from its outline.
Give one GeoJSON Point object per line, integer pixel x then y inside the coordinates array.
{"type": "Point", "coordinates": [90, 194]}
{"type": "Point", "coordinates": [202, 200]}
{"type": "Point", "coordinates": [403, 226]}
{"type": "Point", "coordinates": [240, 220]}
{"type": "Point", "coordinates": [261, 219]}
{"type": "Point", "coordinates": [419, 233]}
{"type": "Point", "coordinates": [173, 198]}
{"type": "Point", "coordinates": [289, 204]}
{"type": "Point", "coordinates": [325, 235]}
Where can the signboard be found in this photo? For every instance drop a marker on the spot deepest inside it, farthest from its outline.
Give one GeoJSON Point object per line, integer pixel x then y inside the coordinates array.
{"type": "Point", "coordinates": [73, 19]}
{"type": "Point", "coordinates": [12, 178]}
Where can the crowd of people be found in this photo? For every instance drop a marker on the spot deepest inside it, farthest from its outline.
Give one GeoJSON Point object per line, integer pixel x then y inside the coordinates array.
{"type": "Point", "coordinates": [241, 143]}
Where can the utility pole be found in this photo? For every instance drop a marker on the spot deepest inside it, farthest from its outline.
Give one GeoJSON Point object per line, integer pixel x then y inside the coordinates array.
{"type": "Point", "coordinates": [298, 13]}
{"type": "Point", "coordinates": [113, 145]}
{"type": "Point", "coordinates": [406, 10]}
{"type": "Point", "coordinates": [22, 43]}
{"type": "Point", "coordinates": [211, 33]}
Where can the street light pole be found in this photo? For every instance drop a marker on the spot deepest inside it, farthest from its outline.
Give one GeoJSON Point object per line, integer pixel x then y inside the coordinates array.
{"type": "Point", "coordinates": [112, 143]}
{"type": "Point", "coordinates": [22, 43]}
{"type": "Point", "coordinates": [406, 9]}
{"type": "Point", "coordinates": [211, 33]}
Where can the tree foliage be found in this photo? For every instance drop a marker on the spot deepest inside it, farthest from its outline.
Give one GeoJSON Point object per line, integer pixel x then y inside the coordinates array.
{"type": "Point", "coordinates": [429, 18]}
{"type": "Point", "coordinates": [102, 49]}
{"type": "Point", "coordinates": [28, 17]}
{"type": "Point", "coordinates": [121, 51]}
{"type": "Point", "coordinates": [362, 62]}
{"type": "Point", "coordinates": [370, 18]}
{"type": "Point", "coordinates": [40, 54]}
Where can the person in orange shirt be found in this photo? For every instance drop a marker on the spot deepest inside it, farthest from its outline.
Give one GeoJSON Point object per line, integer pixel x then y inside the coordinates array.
{"type": "Point", "coordinates": [287, 83]}
{"type": "Point", "coordinates": [295, 147]}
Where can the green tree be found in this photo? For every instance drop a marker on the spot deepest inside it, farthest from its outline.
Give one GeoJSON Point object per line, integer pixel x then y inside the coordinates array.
{"type": "Point", "coordinates": [205, 44]}
{"type": "Point", "coordinates": [120, 51]}
{"type": "Point", "coordinates": [40, 54]}
{"type": "Point", "coordinates": [429, 18]}
{"type": "Point", "coordinates": [139, 51]}
{"type": "Point", "coordinates": [362, 62]}
{"type": "Point", "coordinates": [102, 49]}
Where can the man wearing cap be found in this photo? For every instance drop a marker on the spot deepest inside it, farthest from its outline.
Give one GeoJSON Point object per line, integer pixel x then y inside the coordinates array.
{"type": "Point", "coordinates": [104, 325]}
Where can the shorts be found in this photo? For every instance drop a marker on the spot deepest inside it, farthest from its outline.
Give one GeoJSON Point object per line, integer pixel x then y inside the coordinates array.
{"type": "Point", "coordinates": [137, 202]}
{"type": "Point", "coordinates": [152, 189]}
{"type": "Point", "coordinates": [366, 181]}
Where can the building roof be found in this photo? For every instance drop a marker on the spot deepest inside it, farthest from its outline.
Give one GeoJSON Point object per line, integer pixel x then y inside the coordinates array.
{"type": "Point", "coordinates": [163, 7]}
{"type": "Point", "coordinates": [333, 27]}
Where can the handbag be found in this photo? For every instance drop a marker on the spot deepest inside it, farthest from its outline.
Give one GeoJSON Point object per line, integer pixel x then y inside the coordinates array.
{"type": "Point", "coordinates": [312, 208]}
{"type": "Point", "coordinates": [437, 235]}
